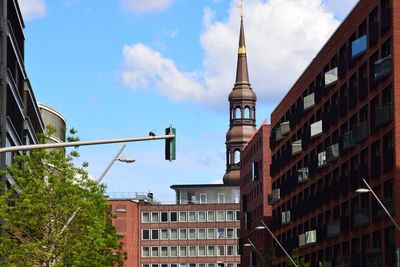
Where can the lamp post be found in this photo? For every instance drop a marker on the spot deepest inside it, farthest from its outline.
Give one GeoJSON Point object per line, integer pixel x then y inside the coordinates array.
{"type": "Point", "coordinates": [250, 244]}
{"type": "Point", "coordinates": [264, 226]}
{"type": "Point", "coordinates": [369, 190]}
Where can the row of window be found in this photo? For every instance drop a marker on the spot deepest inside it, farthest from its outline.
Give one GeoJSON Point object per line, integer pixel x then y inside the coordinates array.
{"type": "Point", "coordinates": [192, 265]}
{"type": "Point", "coordinates": [190, 251]}
{"type": "Point", "coordinates": [182, 233]}
{"type": "Point", "coordinates": [191, 216]}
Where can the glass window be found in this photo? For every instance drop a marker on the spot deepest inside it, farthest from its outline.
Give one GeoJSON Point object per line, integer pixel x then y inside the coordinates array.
{"type": "Point", "coordinates": [145, 217]}
{"type": "Point", "coordinates": [182, 251]}
{"type": "Point", "coordinates": [164, 234]}
{"type": "Point", "coordinates": [182, 216]}
{"type": "Point", "coordinates": [192, 216]}
{"type": "Point", "coordinates": [211, 265]}
{"type": "Point", "coordinates": [192, 233]}
{"type": "Point", "coordinates": [221, 250]}
{"type": "Point", "coordinates": [154, 251]}
{"type": "Point", "coordinates": [154, 234]}
{"type": "Point", "coordinates": [237, 233]}
{"type": "Point", "coordinates": [154, 265]}
{"type": "Point", "coordinates": [145, 234]}
{"type": "Point", "coordinates": [229, 215]}
{"type": "Point", "coordinates": [221, 196]}
{"type": "Point", "coordinates": [202, 251]}
{"type": "Point", "coordinates": [202, 233]}
{"type": "Point", "coordinates": [174, 265]}
{"type": "Point", "coordinates": [192, 251]}
{"type": "Point", "coordinates": [230, 251]}
{"type": "Point", "coordinates": [182, 233]}
{"type": "Point", "coordinates": [164, 251]}
{"type": "Point", "coordinates": [211, 251]}
{"type": "Point", "coordinates": [202, 216]}
{"type": "Point", "coordinates": [174, 216]}
{"type": "Point", "coordinates": [202, 265]}
{"type": "Point", "coordinates": [145, 251]}
{"type": "Point", "coordinates": [238, 215]}
{"type": "Point", "coordinates": [173, 251]}
{"type": "Point", "coordinates": [203, 198]}
{"type": "Point", "coordinates": [154, 217]}
{"type": "Point", "coordinates": [220, 215]}
{"type": "Point", "coordinates": [230, 233]}
{"type": "Point", "coordinates": [210, 215]}
{"type": "Point", "coordinates": [221, 233]}
{"type": "Point", "coordinates": [192, 264]}
{"type": "Point", "coordinates": [164, 265]}
{"type": "Point", "coordinates": [174, 234]}
{"type": "Point", "coordinates": [211, 233]}
{"type": "Point", "coordinates": [164, 216]}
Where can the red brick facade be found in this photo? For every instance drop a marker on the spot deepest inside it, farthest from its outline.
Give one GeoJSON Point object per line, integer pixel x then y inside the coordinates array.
{"type": "Point", "coordinates": [336, 126]}
{"type": "Point", "coordinates": [255, 185]}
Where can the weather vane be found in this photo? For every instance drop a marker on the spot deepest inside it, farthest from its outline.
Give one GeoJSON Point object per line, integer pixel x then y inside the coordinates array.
{"type": "Point", "coordinates": [240, 6]}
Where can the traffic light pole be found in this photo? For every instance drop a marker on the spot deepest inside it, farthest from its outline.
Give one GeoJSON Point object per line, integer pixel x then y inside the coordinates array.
{"type": "Point", "coordinates": [85, 143]}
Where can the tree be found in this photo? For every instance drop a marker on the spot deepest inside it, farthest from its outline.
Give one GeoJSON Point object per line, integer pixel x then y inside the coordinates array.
{"type": "Point", "coordinates": [300, 262]}
{"type": "Point", "coordinates": [48, 188]}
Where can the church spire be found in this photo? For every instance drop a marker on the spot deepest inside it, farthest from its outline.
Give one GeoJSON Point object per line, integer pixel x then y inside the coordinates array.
{"type": "Point", "coordinates": [242, 103]}
{"type": "Point", "coordinates": [242, 74]}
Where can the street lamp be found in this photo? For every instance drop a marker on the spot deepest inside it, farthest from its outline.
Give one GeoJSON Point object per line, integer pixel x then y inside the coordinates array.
{"type": "Point", "coordinates": [369, 190]}
{"type": "Point", "coordinates": [250, 244]}
{"type": "Point", "coordinates": [264, 226]}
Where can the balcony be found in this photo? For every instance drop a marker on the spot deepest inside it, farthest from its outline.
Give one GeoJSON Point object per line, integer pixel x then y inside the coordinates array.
{"type": "Point", "coordinates": [362, 88]}
{"type": "Point", "coordinates": [386, 18]}
{"type": "Point", "coordinates": [373, 257]}
{"type": "Point", "coordinates": [308, 101]}
{"type": "Point", "coordinates": [383, 67]}
{"type": "Point", "coordinates": [302, 175]}
{"type": "Point", "coordinates": [322, 159]}
{"type": "Point", "coordinates": [332, 153]}
{"type": "Point", "coordinates": [352, 97]}
{"type": "Point", "coordinates": [359, 46]}
{"type": "Point", "coordinates": [343, 106]}
{"type": "Point", "coordinates": [360, 218]}
{"type": "Point", "coordinates": [285, 128]}
{"type": "Point", "coordinates": [360, 132]}
{"type": "Point", "coordinates": [348, 140]}
{"type": "Point", "coordinates": [376, 169]}
{"type": "Point", "coordinates": [331, 77]}
{"type": "Point", "coordinates": [296, 147]}
{"type": "Point", "coordinates": [383, 115]}
{"type": "Point", "coordinates": [373, 33]}
{"type": "Point", "coordinates": [333, 229]}
{"type": "Point", "coordinates": [388, 159]}
{"type": "Point", "coordinates": [342, 68]}
{"type": "Point", "coordinates": [316, 128]}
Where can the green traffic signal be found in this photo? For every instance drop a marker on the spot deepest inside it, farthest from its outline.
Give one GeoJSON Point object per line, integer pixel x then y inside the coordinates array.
{"type": "Point", "coordinates": [170, 144]}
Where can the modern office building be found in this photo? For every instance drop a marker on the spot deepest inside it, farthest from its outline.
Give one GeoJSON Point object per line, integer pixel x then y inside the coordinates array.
{"type": "Point", "coordinates": [53, 118]}
{"type": "Point", "coordinates": [336, 126]}
{"type": "Point", "coordinates": [255, 183]}
{"type": "Point", "coordinates": [20, 116]}
{"type": "Point", "coordinates": [200, 230]}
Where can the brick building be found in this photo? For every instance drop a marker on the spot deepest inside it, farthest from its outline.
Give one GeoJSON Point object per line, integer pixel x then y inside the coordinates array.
{"type": "Point", "coordinates": [336, 126]}
{"type": "Point", "coordinates": [255, 183]}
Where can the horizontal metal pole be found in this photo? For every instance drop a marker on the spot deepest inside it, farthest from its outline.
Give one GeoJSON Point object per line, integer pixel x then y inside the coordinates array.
{"type": "Point", "coordinates": [85, 143]}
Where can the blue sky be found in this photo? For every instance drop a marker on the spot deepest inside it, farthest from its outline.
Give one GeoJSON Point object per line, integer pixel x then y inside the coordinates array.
{"type": "Point", "coordinates": [120, 68]}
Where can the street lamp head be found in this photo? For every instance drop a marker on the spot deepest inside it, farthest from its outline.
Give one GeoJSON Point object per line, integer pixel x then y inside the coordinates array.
{"type": "Point", "coordinates": [261, 227]}
{"type": "Point", "coordinates": [362, 190]}
{"type": "Point", "coordinates": [247, 245]}
{"type": "Point", "coordinates": [127, 160]}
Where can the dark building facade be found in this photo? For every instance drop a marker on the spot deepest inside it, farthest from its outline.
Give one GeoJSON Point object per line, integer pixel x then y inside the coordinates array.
{"type": "Point", "coordinates": [255, 183]}
{"type": "Point", "coordinates": [336, 126]}
{"type": "Point", "coordinates": [19, 112]}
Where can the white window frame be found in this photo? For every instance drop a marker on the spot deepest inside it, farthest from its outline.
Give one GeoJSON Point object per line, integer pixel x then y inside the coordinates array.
{"type": "Point", "coordinates": [149, 230]}
{"type": "Point", "coordinates": [195, 233]}
{"type": "Point", "coordinates": [198, 233]}
{"type": "Point", "coordinates": [161, 250]}
{"type": "Point", "coordinates": [170, 234]}
{"type": "Point", "coordinates": [195, 251]}
{"type": "Point", "coordinates": [177, 251]}
{"type": "Point", "coordinates": [186, 251]}
{"type": "Point", "coordinates": [183, 200]}
{"type": "Point", "coordinates": [158, 216]}
{"type": "Point", "coordinates": [208, 215]}
{"type": "Point", "coordinates": [205, 251]}
{"type": "Point", "coordinates": [218, 254]}
{"type": "Point", "coordinates": [161, 212]}
{"type": "Point", "coordinates": [233, 233]}
{"type": "Point", "coordinates": [221, 195]}
{"type": "Point", "coordinates": [149, 214]}
{"type": "Point", "coordinates": [161, 234]}
{"type": "Point", "coordinates": [158, 252]}
{"type": "Point", "coordinates": [217, 217]}
{"type": "Point", "coordinates": [186, 216]}
{"type": "Point", "coordinates": [203, 201]}
{"type": "Point", "coordinates": [195, 216]}
{"type": "Point", "coordinates": [183, 230]}
{"type": "Point", "coordinates": [213, 231]}
{"type": "Point", "coordinates": [233, 215]}
{"type": "Point", "coordinates": [214, 251]}
{"type": "Point", "coordinates": [158, 234]}
{"type": "Point", "coordinates": [205, 215]}
{"type": "Point", "coordinates": [148, 256]}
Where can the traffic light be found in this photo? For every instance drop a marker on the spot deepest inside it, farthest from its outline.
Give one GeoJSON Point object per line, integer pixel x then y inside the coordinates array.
{"type": "Point", "coordinates": [170, 144]}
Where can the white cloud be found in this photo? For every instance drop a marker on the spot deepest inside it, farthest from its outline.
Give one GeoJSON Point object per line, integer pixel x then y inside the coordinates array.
{"type": "Point", "coordinates": [282, 37]}
{"type": "Point", "coordinates": [145, 6]}
{"type": "Point", "coordinates": [32, 9]}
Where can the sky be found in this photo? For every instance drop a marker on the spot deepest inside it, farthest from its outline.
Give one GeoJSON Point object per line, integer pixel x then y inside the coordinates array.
{"type": "Point", "coordinates": [122, 68]}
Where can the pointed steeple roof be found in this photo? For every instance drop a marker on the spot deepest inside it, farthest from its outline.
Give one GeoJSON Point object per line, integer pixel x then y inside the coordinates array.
{"type": "Point", "coordinates": [242, 74]}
